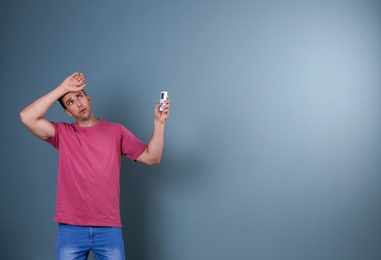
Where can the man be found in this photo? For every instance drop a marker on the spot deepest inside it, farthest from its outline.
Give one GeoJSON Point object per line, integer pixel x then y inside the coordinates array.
{"type": "Point", "coordinates": [90, 150]}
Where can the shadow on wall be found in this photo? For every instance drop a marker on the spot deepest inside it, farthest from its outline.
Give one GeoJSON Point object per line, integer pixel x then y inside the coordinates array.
{"type": "Point", "coordinates": [144, 188]}
{"type": "Point", "coordinates": [144, 208]}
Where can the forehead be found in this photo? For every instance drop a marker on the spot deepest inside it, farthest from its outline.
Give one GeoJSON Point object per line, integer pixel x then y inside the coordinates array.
{"type": "Point", "coordinates": [70, 95]}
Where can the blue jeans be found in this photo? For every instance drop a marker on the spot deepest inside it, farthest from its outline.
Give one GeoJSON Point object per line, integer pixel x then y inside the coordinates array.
{"type": "Point", "coordinates": [75, 243]}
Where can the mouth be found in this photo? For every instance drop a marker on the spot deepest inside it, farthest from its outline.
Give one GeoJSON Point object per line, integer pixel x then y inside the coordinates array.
{"type": "Point", "coordinates": [83, 111]}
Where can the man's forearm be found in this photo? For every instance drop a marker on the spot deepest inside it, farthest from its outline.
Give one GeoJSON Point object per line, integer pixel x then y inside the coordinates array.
{"type": "Point", "coordinates": [38, 108]}
{"type": "Point", "coordinates": [156, 144]}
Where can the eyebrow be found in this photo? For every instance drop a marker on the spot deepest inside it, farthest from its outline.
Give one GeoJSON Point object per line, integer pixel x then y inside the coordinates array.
{"type": "Point", "coordinates": [76, 96]}
{"type": "Point", "coordinates": [67, 102]}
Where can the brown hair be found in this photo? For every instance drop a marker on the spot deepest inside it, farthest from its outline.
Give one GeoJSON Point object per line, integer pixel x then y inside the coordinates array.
{"type": "Point", "coordinates": [61, 102]}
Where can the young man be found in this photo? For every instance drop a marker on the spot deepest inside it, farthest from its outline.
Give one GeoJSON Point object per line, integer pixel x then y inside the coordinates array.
{"type": "Point", "coordinates": [90, 151]}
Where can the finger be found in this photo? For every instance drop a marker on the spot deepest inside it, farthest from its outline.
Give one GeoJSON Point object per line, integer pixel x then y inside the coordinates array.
{"type": "Point", "coordinates": [77, 75]}
{"type": "Point", "coordinates": [165, 110]}
{"type": "Point", "coordinates": [80, 79]}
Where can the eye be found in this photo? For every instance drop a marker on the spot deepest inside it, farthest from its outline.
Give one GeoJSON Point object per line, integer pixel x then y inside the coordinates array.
{"type": "Point", "coordinates": [70, 103]}
{"type": "Point", "coordinates": [80, 96]}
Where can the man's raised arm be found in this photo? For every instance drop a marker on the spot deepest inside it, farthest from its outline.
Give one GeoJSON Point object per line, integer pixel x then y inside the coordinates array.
{"type": "Point", "coordinates": [32, 115]}
{"type": "Point", "coordinates": [152, 154]}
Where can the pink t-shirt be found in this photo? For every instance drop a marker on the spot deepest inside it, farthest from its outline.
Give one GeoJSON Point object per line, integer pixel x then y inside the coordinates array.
{"type": "Point", "coordinates": [88, 190]}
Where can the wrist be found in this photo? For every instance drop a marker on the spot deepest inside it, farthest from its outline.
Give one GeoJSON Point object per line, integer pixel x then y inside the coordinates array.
{"type": "Point", "coordinates": [61, 89]}
{"type": "Point", "coordinates": [59, 92]}
{"type": "Point", "coordinates": [159, 123]}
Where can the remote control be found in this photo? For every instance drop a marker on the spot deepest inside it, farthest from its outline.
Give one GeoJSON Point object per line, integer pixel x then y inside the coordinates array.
{"type": "Point", "coordinates": [163, 98]}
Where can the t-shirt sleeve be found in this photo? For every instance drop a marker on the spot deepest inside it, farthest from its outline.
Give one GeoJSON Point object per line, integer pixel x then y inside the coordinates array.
{"type": "Point", "coordinates": [132, 147]}
{"type": "Point", "coordinates": [54, 141]}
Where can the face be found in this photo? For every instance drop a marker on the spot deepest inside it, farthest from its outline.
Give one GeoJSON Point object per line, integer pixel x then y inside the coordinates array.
{"type": "Point", "coordinates": [78, 105]}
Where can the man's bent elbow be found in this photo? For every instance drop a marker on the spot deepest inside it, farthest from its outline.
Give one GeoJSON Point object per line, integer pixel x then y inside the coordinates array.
{"type": "Point", "coordinates": [149, 158]}
{"type": "Point", "coordinates": [26, 119]}
{"type": "Point", "coordinates": [154, 161]}
{"type": "Point", "coordinates": [23, 117]}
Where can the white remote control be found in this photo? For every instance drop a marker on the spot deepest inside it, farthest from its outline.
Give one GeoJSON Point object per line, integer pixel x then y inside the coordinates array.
{"type": "Point", "coordinates": [163, 98]}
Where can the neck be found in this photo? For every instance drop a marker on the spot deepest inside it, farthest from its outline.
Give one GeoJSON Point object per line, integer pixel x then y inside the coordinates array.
{"type": "Point", "coordinates": [91, 121]}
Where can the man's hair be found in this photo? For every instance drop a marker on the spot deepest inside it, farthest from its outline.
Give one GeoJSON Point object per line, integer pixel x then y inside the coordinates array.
{"type": "Point", "coordinates": [61, 102]}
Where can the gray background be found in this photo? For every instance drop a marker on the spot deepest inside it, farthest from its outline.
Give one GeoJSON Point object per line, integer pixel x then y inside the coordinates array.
{"type": "Point", "coordinates": [273, 145]}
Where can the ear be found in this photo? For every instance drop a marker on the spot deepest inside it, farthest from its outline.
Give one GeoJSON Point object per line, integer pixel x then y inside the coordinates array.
{"type": "Point", "coordinates": [67, 112]}
{"type": "Point", "coordinates": [89, 98]}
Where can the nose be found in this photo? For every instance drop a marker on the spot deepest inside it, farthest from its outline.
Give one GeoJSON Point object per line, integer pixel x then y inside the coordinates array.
{"type": "Point", "coordinates": [78, 103]}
